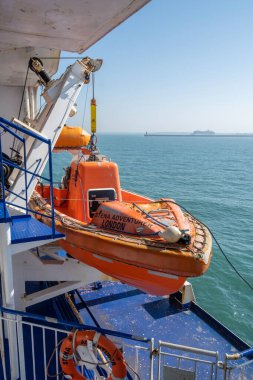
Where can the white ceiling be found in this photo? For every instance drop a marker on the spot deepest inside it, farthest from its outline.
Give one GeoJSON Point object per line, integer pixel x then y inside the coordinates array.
{"type": "Point", "coordinates": [44, 28]}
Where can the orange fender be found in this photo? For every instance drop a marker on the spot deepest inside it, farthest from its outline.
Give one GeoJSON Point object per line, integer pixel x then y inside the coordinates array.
{"type": "Point", "coordinates": [183, 223]}
{"type": "Point", "coordinates": [72, 137]}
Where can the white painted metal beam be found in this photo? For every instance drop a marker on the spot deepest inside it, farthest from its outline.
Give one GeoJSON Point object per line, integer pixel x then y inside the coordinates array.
{"type": "Point", "coordinates": [21, 247]}
{"type": "Point", "coordinates": [60, 97]}
{"type": "Point", "coordinates": [33, 269]}
{"type": "Point", "coordinates": [27, 266]}
{"type": "Point", "coordinates": [7, 291]}
{"type": "Point", "coordinates": [54, 291]}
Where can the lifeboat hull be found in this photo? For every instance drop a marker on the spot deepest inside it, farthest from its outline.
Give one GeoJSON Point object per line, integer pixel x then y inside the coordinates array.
{"type": "Point", "coordinates": [148, 263]}
{"type": "Point", "coordinates": [149, 281]}
{"type": "Point", "coordinates": [138, 252]}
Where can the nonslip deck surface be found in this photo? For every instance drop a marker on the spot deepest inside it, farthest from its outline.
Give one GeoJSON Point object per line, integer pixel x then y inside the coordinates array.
{"type": "Point", "coordinates": [120, 307]}
{"type": "Point", "coordinates": [27, 229]}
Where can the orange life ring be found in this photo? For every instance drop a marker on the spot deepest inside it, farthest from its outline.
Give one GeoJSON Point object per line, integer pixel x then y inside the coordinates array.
{"type": "Point", "coordinates": [80, 338]}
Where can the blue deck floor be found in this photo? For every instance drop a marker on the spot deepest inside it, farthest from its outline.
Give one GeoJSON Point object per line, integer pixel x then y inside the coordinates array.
{"type": "Point", "coordinates": [26, 229]}
{"type": "Point", "coordinates": [120, 307]}
{"type": "Point", "coordinates": [129, 310]}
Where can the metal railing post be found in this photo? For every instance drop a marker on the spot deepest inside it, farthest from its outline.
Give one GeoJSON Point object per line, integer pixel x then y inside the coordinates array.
{"type": "Point", "coordinates": [2, 349]}
{"type": "Point", "coordinates": [21, 348]}
{"type": "Point", "coordinates": [51, 185]}
{"type": "Point", "coordinates": [244, 366]}
{"type": "Point", "coordinates": [13, 346]}
{"type": "Point", "coordinates": [6, 126]}
{"type": "Point", "coordinates": [159, 361]}
{"type": "Point", "coordinates": [216, 366]}
{"type": "Point", "coordinates": [2, 187]}
{"type": "Point", "coordinates": [26, 186]}
{"type": "Point", "coordinates": [152, 347]}
{"type": "Point", "coordinates": [29, 348]}
{"type": "Point", "coordinates": [213, 365]}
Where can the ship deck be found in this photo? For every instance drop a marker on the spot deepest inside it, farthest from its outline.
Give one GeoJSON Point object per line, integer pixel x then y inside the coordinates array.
{"type": "Point", "coordinates": [193, 342]}
{"type": "Point", "coordinates": [122, 308]}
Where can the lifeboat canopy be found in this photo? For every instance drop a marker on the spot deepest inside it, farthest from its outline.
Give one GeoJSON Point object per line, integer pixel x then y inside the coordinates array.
{"type": "Point", "coordinates": [72, 138]}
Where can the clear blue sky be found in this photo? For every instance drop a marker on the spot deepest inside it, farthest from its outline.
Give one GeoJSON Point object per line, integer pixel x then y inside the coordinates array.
{"type": "Point", "coordinates": [176, 65]}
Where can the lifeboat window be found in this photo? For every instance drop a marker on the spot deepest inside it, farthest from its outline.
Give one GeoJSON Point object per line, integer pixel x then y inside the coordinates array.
{"type": "Point", "coordinates": [97, 196]}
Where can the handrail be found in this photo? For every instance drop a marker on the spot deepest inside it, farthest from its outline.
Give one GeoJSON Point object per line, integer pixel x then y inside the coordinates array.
{"type": "Point", "coordinates": [210, 358]}
{"type": "Point", "coordinates": [76, 325]}
{"type": "Point", "coordinates": [233, 366]}
{"type": "Point", "coordinates": [24, 130]}
{"type": "Point", "coordinates": [248, 353]}
{"type": "Point", "coordinates": [15, 166]}
{"type": "Point", "coordinates": [2, 189]}
{"type": "Point", "coordinates": [187, 348]}
{"type": "Point", "coordinates": [7, 127]}
{"type": "Point", "coordinates": [10, 131]}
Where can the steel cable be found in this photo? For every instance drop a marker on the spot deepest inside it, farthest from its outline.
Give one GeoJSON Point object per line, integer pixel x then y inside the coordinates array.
{"type": "Point", "coordinates": [216, 241]}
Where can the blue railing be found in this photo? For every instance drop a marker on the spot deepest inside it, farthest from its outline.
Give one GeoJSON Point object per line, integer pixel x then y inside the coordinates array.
{"type": "Point", "coordinates": [239, 365]}
{"type": "Point", "coordinates": [33, 349]}
{"type": "Point", "coordinates": [12, 129]}
{"type": "Point", "coordinates": [70, 325]}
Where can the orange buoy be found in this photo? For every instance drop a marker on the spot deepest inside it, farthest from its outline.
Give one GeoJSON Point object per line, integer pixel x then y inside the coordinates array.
{"type": "Point", "coordinates": [72, 137]}
{"type": "Point", "coordinates": [68, 353]}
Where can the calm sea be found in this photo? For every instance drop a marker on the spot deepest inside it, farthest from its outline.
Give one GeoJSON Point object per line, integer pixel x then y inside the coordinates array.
{"type": "Point", "coordinates": [213, 178]}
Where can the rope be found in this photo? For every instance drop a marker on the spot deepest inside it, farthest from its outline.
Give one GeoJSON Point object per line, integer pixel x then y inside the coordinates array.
{"type": "Point", "coordinates": [77, 356]}
{"type": "Point", "coordinates": [93, 85]}
{"type": "Point", "coordinates": [74, 309]}
{"type": "Point", "coordinates": [20, 107]}
{"type": "Point", "coordinates": [83, 200]}
{"type": "Point", "coordinates": [111, 360]}
{"type": "Point", "coordinates": [216, 241]}
{"type": "Point", "coordinates": [50, 359]}
{"type": "Point", "coordinates": [131, 368]}
{"type": "Point", "coordinates": [150, 216]}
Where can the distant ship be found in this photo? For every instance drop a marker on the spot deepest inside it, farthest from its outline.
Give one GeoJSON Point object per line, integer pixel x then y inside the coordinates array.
{"type": "Point", "coordinates": [199, 133]}
{"type": "Point", "coordinates": [194, 133]}
{"type": "Point", "coordinates": [207, 132]}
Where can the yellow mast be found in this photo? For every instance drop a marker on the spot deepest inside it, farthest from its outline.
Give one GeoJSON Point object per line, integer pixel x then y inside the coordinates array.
{"type": "Point", "coordinates": [93, 110]}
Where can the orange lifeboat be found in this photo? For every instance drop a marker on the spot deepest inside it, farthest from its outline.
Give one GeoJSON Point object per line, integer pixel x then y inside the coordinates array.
{"type": "Point", "coordinates": [72, 138]}
{"type": "Point", "coordinates": [152, 245]}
